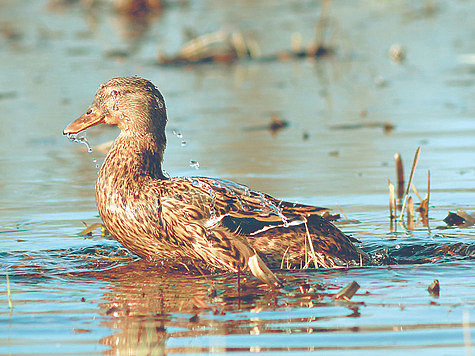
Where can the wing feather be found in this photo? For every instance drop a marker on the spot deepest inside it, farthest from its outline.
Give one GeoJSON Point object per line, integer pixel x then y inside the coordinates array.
{"type": "Point", "coordinates": [238, 207]}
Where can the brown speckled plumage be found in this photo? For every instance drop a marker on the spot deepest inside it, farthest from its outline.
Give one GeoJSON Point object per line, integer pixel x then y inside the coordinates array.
{"type": "Point", "coordinates": [195, 220]}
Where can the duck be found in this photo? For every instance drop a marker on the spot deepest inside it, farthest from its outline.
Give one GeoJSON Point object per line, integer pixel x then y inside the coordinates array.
{"type": "Point", "coordinates": [199, 222]}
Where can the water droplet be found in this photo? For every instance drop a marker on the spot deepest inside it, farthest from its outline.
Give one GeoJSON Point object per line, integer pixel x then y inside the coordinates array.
{"type": "Point", "coordinates": [177, 134]}
{"type": "Point", "coordinates": [183, 143]}
{"type": "Point", "coordinates": [195, 164]}
{"type": "Point", "coordinates": [81, 139]}
{"type": "Point", "coordinates": [397, 247]}
{"type": "Point", "coordinates": [195, 183]}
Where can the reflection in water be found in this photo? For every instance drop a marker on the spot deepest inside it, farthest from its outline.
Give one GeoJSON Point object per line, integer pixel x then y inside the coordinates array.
{"type": "Point", "coordinates": [132, 18]}
{"type": "Point", "coordinates": [144, 308]}
{"type": "Point", "coordinates": [150, 305]}
{"type": "Point", "coordinates": [156, 310]}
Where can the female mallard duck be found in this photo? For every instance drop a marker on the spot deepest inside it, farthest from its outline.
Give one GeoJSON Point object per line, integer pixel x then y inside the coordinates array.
{"type": "Point", "coordinates": [196, 220]}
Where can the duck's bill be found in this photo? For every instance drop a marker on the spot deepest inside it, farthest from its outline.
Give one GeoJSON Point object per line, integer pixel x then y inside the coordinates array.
{"type": "Point", "coordinates": [91, 118]}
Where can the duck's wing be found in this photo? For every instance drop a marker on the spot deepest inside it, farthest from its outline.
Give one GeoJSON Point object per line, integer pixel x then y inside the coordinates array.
{"type": "Point", "coordinates": [200, 213]}
{"type": "Point", "coordinates": [251, 212]}
{"type": "Point", "coordinates": [235, 222]}
{"type": "Point", "coordinates": [219, 202]}
{"type": "Point", "coordinates": [216, 213]}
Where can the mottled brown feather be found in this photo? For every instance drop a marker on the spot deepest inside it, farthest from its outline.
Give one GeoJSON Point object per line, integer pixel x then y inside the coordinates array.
{"type": "Point", "coordinates": [195, 220]}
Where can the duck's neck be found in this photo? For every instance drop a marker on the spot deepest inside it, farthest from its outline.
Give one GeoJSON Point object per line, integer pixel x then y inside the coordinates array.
{"type": "Point", "coordinates": [135, 158]}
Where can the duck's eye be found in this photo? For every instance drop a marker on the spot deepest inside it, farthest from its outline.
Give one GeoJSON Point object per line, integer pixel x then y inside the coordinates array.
{"type": "Point", "coordinates": [114, 93]}
{"type": "Point", "coordinates": [89, 112]}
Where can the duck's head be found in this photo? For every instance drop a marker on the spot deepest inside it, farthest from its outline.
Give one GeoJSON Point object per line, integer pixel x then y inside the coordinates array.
{"type": "Point", "coordinates": [131, 103]}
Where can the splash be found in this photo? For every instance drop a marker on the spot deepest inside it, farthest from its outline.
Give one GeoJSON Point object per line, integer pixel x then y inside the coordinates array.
{"type": "Point", "coordinates": [178, 134]}
{"type": "Point", "coordinates": [81, 139]}
{"type": "Point", "coordinates": [241, 195]}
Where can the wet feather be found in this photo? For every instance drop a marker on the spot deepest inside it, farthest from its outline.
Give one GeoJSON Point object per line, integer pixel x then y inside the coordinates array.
{"type": "Point", "coordinates": [202, 221]}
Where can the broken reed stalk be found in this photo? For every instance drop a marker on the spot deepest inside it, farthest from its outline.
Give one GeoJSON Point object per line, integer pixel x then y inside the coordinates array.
{"type": "Point", "coordinates": [414, 189]}
{"type": "Point", "coordinates": [314, 257]}
{"type": "Point", "coordinates": [400, 175]}
{"type": "Point", "coordinates": [89, 229]}
{"type": "Point", "coordinates": [239, 44]}
{"type": "Point", "coordinates": [392, 201]}
{"type": "Point", "coordinates": [197, 45]}
{"type": "Point", "coordinates": [424, 203]}
{"type": "Point", "coordinates": [424, 206]}
{"type": "Point", "coordinates": [322, 23]}
{"type": "Point", "coordinates": [410, 213]}
{"type": "Point", "coordinates": [296, 42]}
{"type": "Point", "coordinates": [239, 287]}
{"type": "Point", "coordinates": [348, 292]}
{"type": "Point", "coordinates": [283, 257]}
{"type": "Point", "coordinates": [9, 293]}
{"type": "Point", "coordinates": [339, 207]}
{"type": "Point", "coordinates": [414, 165]}
{"type": "Point", "coordinates": [306, 254]}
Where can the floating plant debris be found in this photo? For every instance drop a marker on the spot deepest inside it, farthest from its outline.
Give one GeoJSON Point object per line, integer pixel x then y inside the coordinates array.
{"type": "Point", "coordinates": [194, 318]}
{"type": "Point", "coordinates": [223, 47]}
{"type": "Point", "coordinates": [90, 228]}
{"type": "Point", "coordinates": [460, 219]}
{"type": "Point", "coordinates": [453, 219]}
{"type": "Point", "coordinates": [276, 124]}
{"type": "Point", "coordinates": [81, 331]}
{"type": "Point", "coordinates": [397, 53]}
{"type": "Point", "coordinates": [348, 292]}
{"type": "Point", "coordinates": [386, 126]}
{"type": "Point", "coordinates": [434, 288]}
{"type": "Point", "coordinates": [214, 47]}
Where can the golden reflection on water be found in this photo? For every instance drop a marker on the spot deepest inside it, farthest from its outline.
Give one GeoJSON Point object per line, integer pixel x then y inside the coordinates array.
{"type": "Point", "coordinates": [149, 305]}
{"type": "Point", "coordinates": [152, 310]}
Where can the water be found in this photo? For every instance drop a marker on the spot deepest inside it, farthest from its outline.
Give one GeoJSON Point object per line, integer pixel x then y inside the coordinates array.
{"type": "Point", "coordinates": [194, 164]}
{"type": "Point", "coordinates": [87, 295]}
{"type": "Point", "coordinates": [81, 140]}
